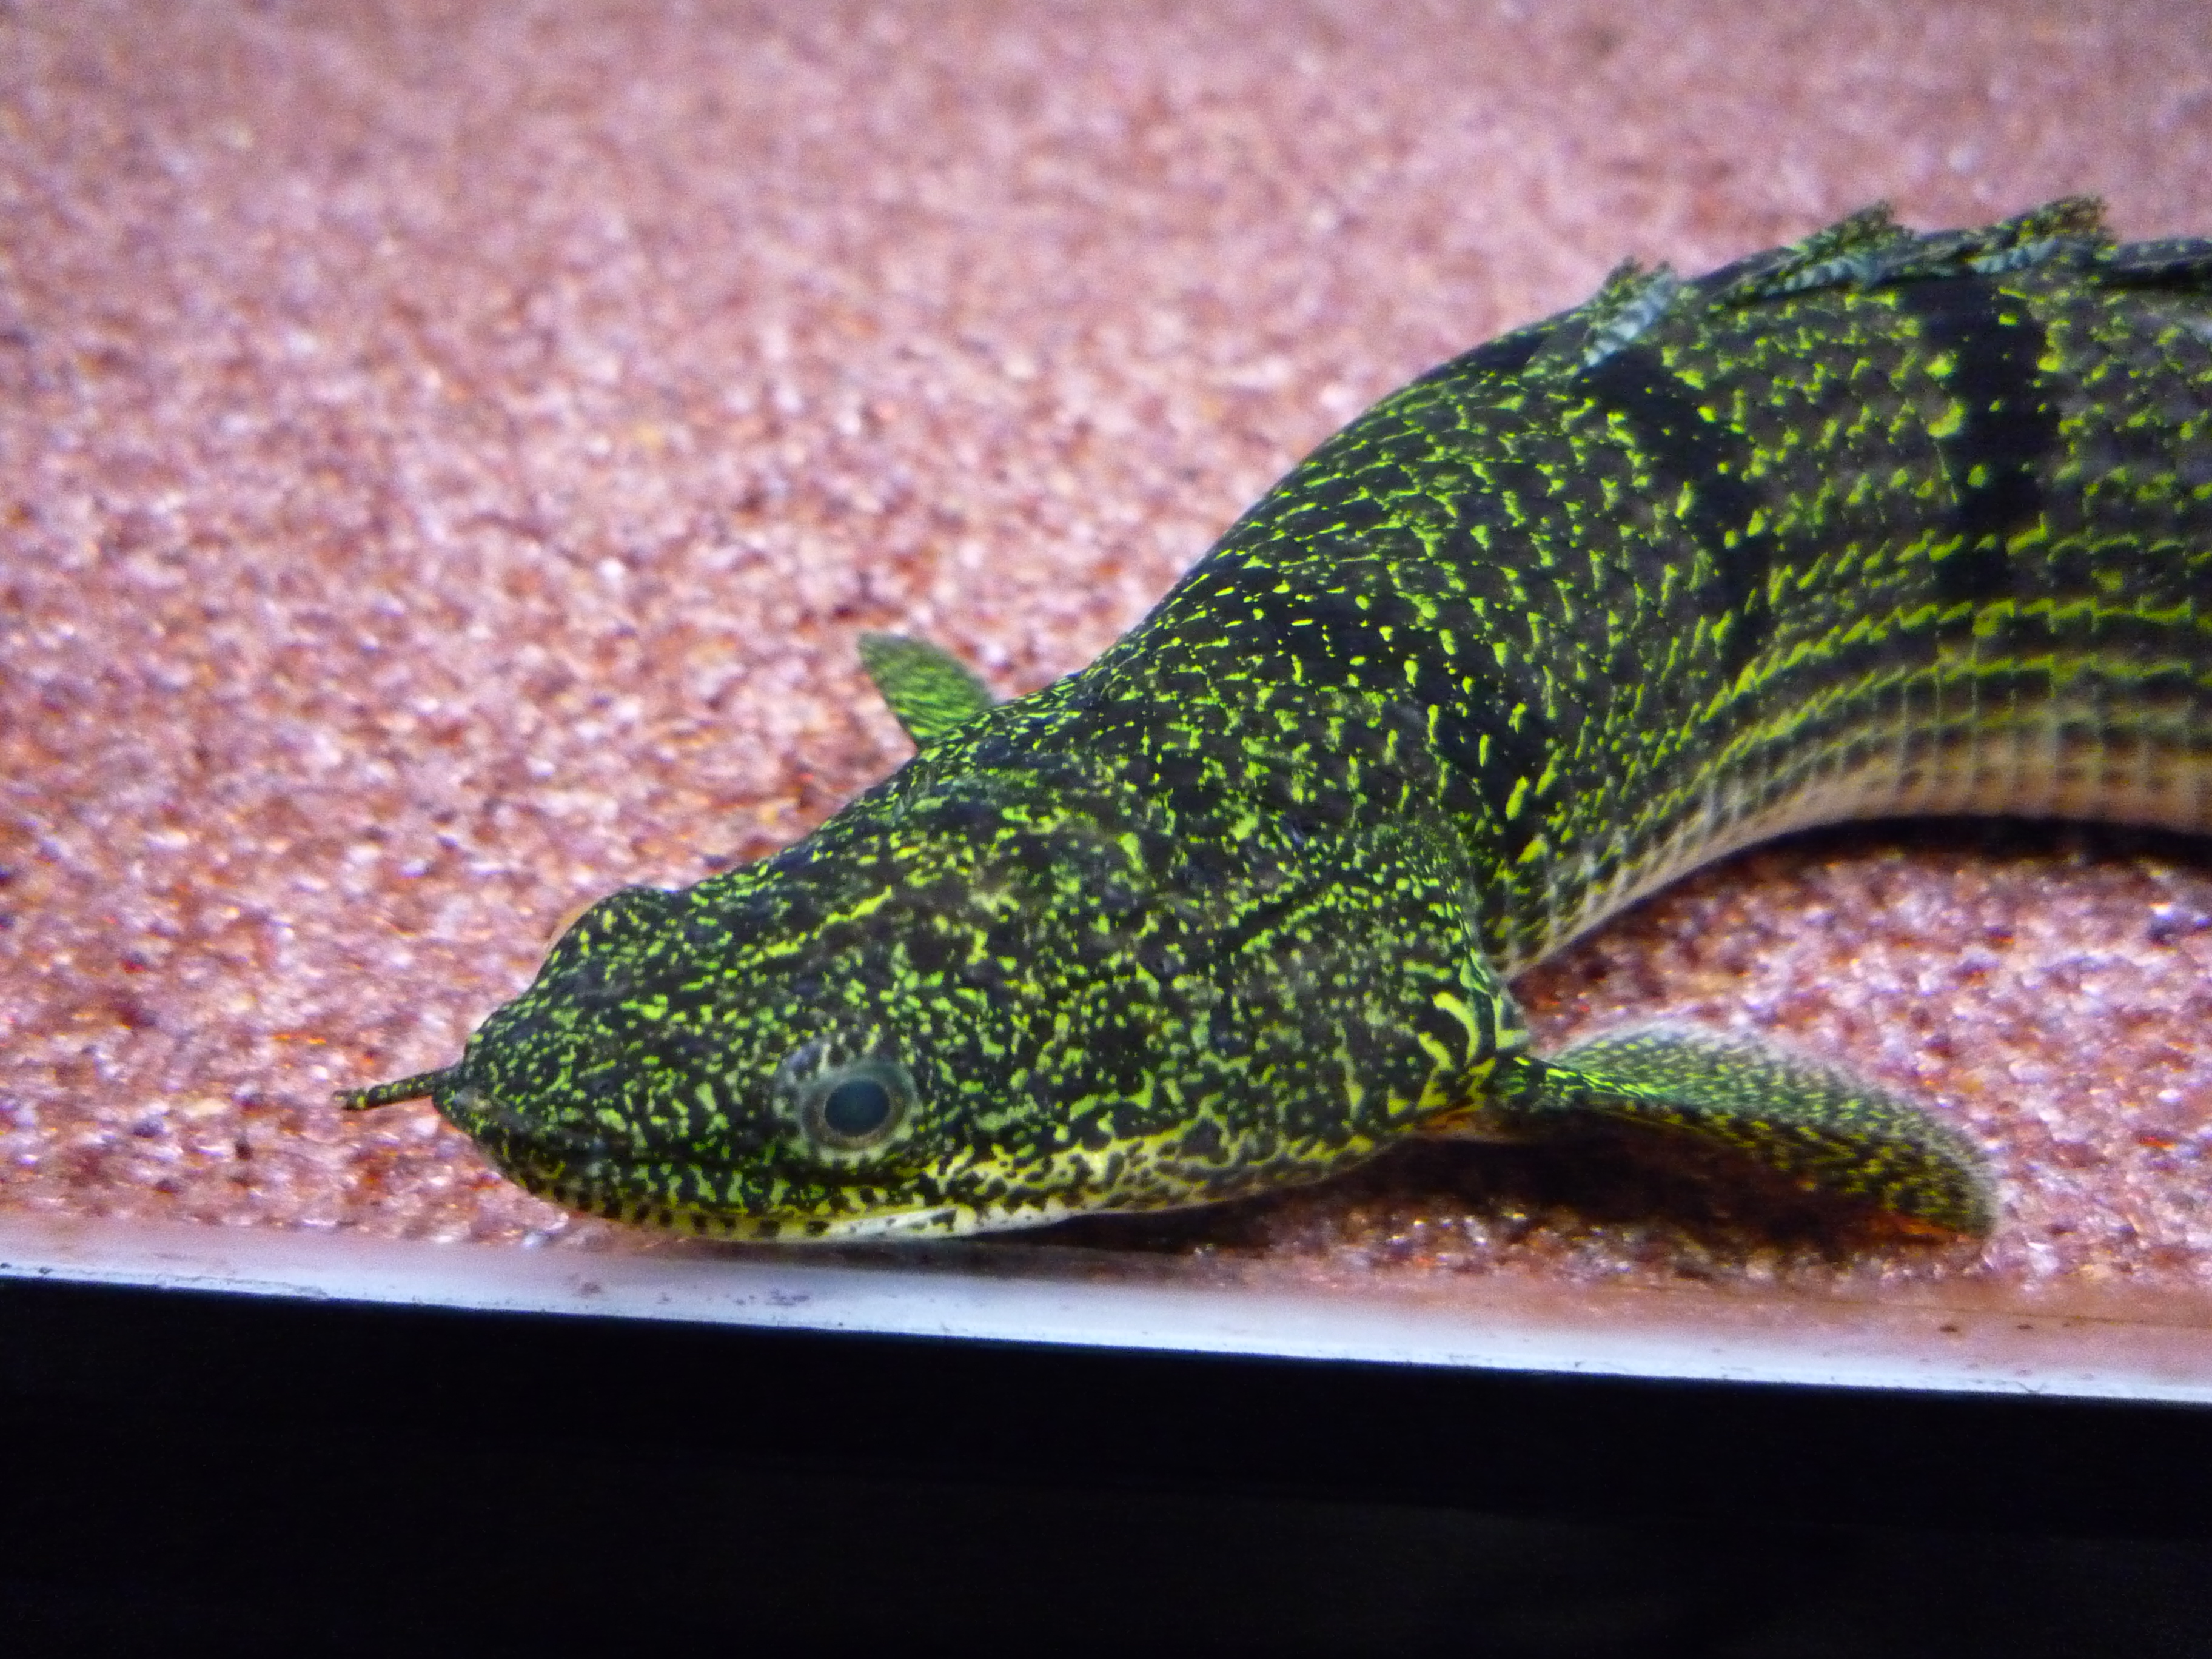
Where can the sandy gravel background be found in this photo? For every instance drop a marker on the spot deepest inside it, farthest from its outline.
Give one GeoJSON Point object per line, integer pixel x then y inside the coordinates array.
{"type": "Point", "coordinates": [447, 452]}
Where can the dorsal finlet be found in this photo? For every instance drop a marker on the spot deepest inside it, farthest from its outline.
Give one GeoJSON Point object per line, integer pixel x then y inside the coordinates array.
{"type": "Point", "coordinates": [931, 692]}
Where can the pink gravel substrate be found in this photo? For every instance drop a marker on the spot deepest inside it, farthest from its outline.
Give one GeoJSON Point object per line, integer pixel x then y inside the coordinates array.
{"type": "Point", "coordinates": [447, 452]}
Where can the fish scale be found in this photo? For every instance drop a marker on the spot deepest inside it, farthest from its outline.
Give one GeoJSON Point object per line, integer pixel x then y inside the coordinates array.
{"type": "Point", "coordinates": [1879, 523]}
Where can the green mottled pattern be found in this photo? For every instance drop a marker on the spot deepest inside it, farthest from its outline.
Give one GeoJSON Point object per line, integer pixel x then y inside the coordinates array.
{"type": "Point", "coordinates": [1879, 523]}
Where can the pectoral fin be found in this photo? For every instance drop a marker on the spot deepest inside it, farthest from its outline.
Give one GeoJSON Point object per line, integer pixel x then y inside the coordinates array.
{"type": "Point", "coordinates": [929, 689]}
{"type": "Point", "coordinates": [1828, 1132]}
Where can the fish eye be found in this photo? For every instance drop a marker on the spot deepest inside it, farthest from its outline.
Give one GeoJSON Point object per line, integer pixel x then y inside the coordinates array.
{"type": "Point", "coordinates": [854, 1107]}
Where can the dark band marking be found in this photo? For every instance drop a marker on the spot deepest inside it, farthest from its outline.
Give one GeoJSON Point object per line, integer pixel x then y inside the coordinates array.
{"type": "Point", "coordinates": [1337, 641]}
{"type": "Point", "coordinates": [2010, 429]}
{"type": "Point", "coordinates": [1683, 447]}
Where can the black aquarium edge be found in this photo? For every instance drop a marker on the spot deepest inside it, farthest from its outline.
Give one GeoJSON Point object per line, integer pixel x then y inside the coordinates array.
{"type": "Point", "coordinates": [279, 1473]}
{"type": "Point", "coordinates": [188, 1370]}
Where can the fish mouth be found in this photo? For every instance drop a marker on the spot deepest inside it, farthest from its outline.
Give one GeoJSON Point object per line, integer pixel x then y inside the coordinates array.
{"type": "Point", "coordinates": [592, 1172]}
{"type": "Point", "coordinates": [930, 1222]}
{"type": "Point", "coordinates": [599, 1175]}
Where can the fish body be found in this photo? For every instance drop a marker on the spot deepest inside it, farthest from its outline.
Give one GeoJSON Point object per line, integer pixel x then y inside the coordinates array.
{"type": "Point", "coordinates": [1879, 523]}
